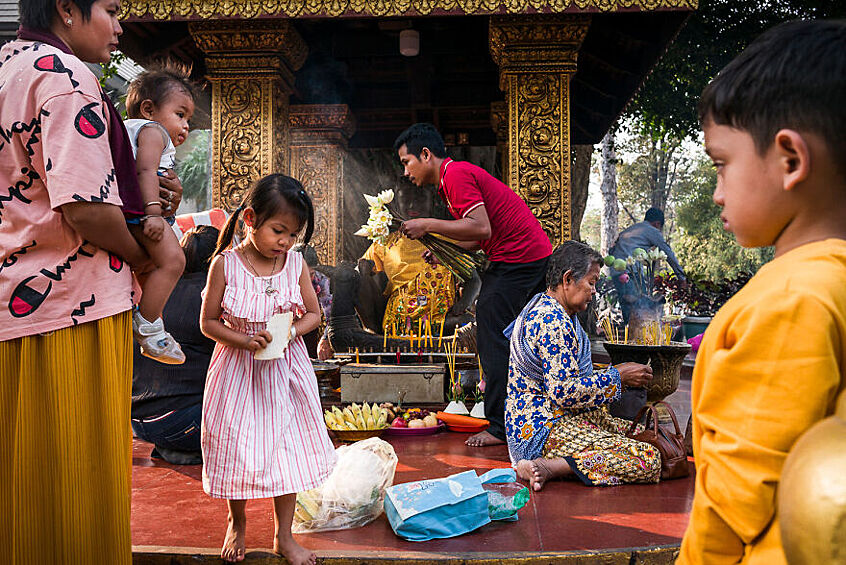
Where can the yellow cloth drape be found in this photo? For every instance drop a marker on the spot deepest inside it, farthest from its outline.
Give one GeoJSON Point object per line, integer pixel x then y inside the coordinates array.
{"type": "Point", "coordinates": [415, 288]}
{"type": "Point", "coordinates": [65, 445]}
{"type": "Point", "coordinates": [771, 365]}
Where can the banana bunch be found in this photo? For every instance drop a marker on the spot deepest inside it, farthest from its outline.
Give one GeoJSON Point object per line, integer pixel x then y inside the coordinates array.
{"type": "Point", "coordinates": [356, 417]}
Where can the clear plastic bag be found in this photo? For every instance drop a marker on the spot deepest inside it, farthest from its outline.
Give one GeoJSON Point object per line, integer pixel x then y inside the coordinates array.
{"type": "Point", "coordinates": [505, 499]}
{"type": "Point", "coordinates": [354, 493]}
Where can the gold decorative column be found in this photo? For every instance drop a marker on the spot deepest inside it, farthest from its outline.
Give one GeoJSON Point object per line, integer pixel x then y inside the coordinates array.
{"type": "Point", "coordinates": [319, 136]}
{"type": "Point", "coordinates": [251, 66]}
{"type": "Point", "coordinates": [536, 57]}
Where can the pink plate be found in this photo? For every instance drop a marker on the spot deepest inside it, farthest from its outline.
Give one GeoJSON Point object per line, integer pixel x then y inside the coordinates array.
{"type": "Point", "coordinates": [414, 431]}
{"type": "Point", "coordinates": [471, 429]}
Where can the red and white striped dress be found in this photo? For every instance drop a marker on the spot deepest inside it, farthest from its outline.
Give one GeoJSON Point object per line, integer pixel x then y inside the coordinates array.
{"type": "Point", "coordinates": [263, 433]}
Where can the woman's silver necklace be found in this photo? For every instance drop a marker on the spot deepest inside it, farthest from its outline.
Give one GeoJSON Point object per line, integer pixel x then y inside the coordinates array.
{"type": "Point", "coordinates": [268, 289]}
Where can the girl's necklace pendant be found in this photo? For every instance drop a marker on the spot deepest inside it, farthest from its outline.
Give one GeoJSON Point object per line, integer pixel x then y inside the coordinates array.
{"type": "Point", "coordinates": [268, 289]}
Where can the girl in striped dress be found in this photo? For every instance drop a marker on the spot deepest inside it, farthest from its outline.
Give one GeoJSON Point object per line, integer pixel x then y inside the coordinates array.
{"type": "Point", "coordinates": [263, 433]}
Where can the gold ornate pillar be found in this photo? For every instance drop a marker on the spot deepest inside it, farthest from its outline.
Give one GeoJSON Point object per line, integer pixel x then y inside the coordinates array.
{"type": "Point", "coordinates": [251, 66]}
{"type": "Point", "coordinates": [536, 57]}
{"type": "Point", "coordinates": [319, 136]}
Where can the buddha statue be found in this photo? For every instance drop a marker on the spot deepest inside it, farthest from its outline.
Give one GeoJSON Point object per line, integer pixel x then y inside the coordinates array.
{"type": "Point", "coordinates": [812, 493]}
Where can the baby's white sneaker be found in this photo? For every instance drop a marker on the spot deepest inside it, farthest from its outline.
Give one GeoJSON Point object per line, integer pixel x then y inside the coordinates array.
{"type": "Point", "coordinates": [155, 342]}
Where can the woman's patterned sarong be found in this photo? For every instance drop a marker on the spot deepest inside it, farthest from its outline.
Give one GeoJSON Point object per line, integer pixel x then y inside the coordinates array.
{"type": "Point", "coordinates": [596, 448]}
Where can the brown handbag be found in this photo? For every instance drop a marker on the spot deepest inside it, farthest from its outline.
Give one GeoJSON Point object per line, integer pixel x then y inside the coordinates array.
{"type": "Point", "coordinates": [670, 445]}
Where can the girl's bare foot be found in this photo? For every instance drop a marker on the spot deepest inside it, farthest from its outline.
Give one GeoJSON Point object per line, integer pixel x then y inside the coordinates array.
{"type": "Point", "coordinates": [292, 551]}
{"type": "Point", "coordinates": [538, 471]}
{"type": "Point", "coordinates": [233, 544]}
{"type": "Point", "coordinates": [483, 439]}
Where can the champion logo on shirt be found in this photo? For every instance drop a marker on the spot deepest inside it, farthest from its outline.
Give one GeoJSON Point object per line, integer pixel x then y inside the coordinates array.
{"type": "Point", "coordinates": [53, 64]}
{"type": "Point", "coordinates": [25, 300]}
{"type": "Point", "coordinates": [88, 123]}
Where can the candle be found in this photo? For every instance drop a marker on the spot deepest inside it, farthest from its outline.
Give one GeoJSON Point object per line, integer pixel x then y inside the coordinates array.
{"type": "Point", "coordinates": [385, 338]}
{"type": "Point", "coordinates": [398, 356]}
{"type": "Point", "coordinates": [441, 331]}
{"type": "Point", "coordinates": [356, 354]}
{"type": "Point", "coordinates": [627, 333]}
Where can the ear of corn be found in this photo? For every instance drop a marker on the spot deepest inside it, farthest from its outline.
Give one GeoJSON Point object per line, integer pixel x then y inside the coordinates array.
{"type": "Point", "coordinates": [307, 508]}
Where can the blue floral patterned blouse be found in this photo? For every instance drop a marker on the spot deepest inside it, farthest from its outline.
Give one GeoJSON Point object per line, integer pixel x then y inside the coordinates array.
{"type": "Point", "coordinates": [551, 384]}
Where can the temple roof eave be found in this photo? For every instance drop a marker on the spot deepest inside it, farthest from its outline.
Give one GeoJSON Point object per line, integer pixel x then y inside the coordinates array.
{"type": "Point", "coordinates": [159, 10]}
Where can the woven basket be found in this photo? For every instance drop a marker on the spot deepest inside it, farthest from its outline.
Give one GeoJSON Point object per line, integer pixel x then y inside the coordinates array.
{"type": "Point", "coordinates": [357, 435]}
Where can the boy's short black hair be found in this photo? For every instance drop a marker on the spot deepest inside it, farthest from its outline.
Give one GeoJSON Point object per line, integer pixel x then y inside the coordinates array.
{"type": "Point", "coordinates": [421, 135]}
{"type": "Point", "coordinates": [792, 76]}
{"type": "Point", "coordinates": [654, 215]}
{"type": "Point", "coordinates": [38, 14]}
{"type": "Point", "coordinates": [156, 84]}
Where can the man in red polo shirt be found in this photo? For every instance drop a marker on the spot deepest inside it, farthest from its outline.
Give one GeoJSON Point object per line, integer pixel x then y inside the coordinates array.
{"type": "Point", "coordinates": [488, 216]}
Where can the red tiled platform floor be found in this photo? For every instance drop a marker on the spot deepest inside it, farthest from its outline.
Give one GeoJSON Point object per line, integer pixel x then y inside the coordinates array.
{"type": "Point", "coordinates": [171, 513]}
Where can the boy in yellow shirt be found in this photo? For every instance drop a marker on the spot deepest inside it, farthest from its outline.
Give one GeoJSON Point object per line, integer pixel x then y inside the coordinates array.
{"type": "Point", "coordinates": [773, 360]}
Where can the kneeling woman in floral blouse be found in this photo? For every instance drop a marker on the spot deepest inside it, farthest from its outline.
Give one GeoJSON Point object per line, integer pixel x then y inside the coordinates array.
{"type": "Point", "coordinates": [556, 416]}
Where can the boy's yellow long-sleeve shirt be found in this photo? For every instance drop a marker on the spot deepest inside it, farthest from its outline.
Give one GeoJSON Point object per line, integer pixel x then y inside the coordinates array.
{"type": "Point", "coordinates": [771, 365]}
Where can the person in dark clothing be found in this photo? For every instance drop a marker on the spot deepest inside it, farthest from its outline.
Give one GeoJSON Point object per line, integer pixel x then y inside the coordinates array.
{"type": "Point", "coordinates": [167, 400]}
{"type": "Point", "coordinates": [488, 216]}
{"type": "Point", "coordinates": [643, 235]}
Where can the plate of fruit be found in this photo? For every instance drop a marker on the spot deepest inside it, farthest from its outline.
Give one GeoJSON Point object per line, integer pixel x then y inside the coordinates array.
{"type": "Point", "coordinates": [356, 421]}
{"type": "Point", "coordinates": [412, 422]}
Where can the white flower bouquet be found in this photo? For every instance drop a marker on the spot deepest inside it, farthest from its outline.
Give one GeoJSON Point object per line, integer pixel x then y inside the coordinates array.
{"type": "Point", "coordinates": [379, 222]}
{"type": "Point", "coordinates": [459, 261]}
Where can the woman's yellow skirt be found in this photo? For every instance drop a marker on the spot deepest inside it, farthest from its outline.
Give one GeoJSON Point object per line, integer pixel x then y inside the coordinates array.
{"type": "Point", "coordinates": [65, 445]}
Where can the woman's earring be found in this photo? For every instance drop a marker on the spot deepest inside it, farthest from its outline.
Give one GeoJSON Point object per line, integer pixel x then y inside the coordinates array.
{"type": "Point", "coordinates": [69, 21]}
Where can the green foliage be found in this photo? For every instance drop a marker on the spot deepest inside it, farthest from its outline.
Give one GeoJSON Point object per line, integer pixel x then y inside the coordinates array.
{"type": "Point", "coordinates": [194, 171]}
{"type": "Point", "coordinates": [648, 180]}
{"type": "Point", "coordinates": [713, 35]}
{"type": "Point", "coordinates": [110, 68]}
{"type": "Point", "coordinates": [703, 247]}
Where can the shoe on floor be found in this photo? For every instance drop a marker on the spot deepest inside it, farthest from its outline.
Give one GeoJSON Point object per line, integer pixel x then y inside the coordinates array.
{"type": "Point", "coordinates": [155, 342]}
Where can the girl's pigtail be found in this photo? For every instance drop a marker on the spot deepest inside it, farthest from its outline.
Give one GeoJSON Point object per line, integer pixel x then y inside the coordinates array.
{"type": "Point", "coordinates": [310, 223]}
{"type": "Point", "coordinates": [228, 232]}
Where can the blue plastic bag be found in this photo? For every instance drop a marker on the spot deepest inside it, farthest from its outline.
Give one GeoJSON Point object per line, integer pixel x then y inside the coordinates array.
{"type": "Point", "coordinates": [444, 507]}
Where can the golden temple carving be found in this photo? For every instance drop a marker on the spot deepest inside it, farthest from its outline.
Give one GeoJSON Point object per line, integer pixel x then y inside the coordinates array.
{"type": "Point", "coordinates": [536, 58]}
{"type": "Point", "coordinates": [249, 9]}
{"type": "Point", "coordinates": [318, 143]}
{"type": "Point", "coordinates": [251, 70]}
